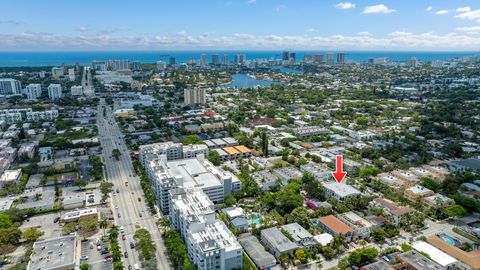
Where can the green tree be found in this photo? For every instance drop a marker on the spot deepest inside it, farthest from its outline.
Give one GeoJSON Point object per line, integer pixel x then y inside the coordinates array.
{"type": "Point", "coordinates": [32, 234]}
{"type": "Point", "coordinates": [301, 255]}
{"type": "Point", "coordinates": [10, 235]}
{"type": "Point", "coordinates": [379, 234]}
{"type": "Point", "coordinates": [84, 266]}
{"type": "Point", "coordinates": [455, 210]}
{"type": "Point", "coordinates": [191, 139]}
{"type": "Point", "coordinates": [103, 224]}
{"type": "Point", "coordinates": [116, 154]}
{"type": "Point", "coordinates": [299, 215]}
{"type": "Point", "coordinates": [5, 221]}
{"type": "Point", "coordinates": [214, 157]}
{"type": "Point", "coordinates": [87, 226]}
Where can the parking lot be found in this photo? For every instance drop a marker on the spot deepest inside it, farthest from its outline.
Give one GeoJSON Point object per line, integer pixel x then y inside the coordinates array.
{"type": "Point", "coordinates": [45, 224]}
{"type": "Point", "coordinates": [95, 258]}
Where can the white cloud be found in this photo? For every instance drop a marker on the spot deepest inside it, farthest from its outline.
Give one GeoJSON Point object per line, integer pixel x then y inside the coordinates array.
{"type": "Point", "coordinates": [395, 41]}
{"type": "Point", "coordinates": [469, 15]}
{"type": "Point", "coordinates": [468, 28]}
{"type": "Point", "coordinates": [429, 8]}
{"type": "Point", "coordinates": [250, 2]}
{"type": "Point", "coordinates": [442, 12]}
{"type": "Point", "coordinates": [311, 30]}
{"type": "Point", "coordinates": [463, 9]}
{"type": "Point", "coordinates": [345, 5]}
{"type": "Point", "coordinates": [364, 34]}
{"type": "Point", "coordinates": [381, 8]}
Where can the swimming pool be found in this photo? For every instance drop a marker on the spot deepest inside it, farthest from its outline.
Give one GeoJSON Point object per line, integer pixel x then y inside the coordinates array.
{"type": "Point", "coordinates": [448, 239]}
{"type": "Point", "coordinates": [255, 220]}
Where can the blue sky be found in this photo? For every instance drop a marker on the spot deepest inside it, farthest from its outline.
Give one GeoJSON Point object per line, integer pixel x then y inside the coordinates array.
{"type": "Point", "coordinates": [240, 24]}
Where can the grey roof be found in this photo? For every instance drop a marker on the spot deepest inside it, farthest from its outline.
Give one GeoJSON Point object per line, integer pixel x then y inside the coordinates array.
{"type": "Point", "coordinates": [230, 140]}
{"type": "Point", "coordinates": [298, 233]}
{"type": "Point", "coordinates": [419, 261]}
{"type": "Point", "coordinates": [342, 190]}
{"type": "Point", "coordinates": [257, 252]}
{"type": "Point", "coordinates": [380, 265]}
{"type": "Point", "coordinates": [277, 240]}
{"type": "Point", "coordinates": [239, 222]}
{"type": "Point", "coordinates": [54, 253]}
{"type": "Point", "coordinates": [471, 163]}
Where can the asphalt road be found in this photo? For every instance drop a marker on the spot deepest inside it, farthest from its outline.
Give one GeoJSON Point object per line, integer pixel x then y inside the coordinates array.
{"type": "Point", "coordinates": [126, 202]}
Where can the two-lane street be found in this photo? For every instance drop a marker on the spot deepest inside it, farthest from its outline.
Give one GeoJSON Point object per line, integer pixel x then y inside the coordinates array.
{"type": "Point", "coordinates": [128, 204]}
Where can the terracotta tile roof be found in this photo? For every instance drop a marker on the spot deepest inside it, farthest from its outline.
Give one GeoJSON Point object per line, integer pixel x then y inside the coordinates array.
{"type": "Point", "coordinates": [335, 225]}
{"type": "Point", "coordinates": [231, 150]}
{"type": "Point", "coordinates": [242, 149]}
{"type": "Point", "coordinates": [471, 258]}
{"type": "Point", "coordinates": [393, 208]}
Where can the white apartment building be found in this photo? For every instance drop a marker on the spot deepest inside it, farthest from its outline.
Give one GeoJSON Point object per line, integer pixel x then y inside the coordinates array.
{"type": "Point", "coordinates": [12, 116]}
{"type": "Point", "coordinates": [196, 173]}
{"type": "Point", "coordinates": [10, 87]}
{"type": "Point", "coordinates": [172, 150]}
{"type": "Point", "coordinates": [33, 90]}
{"type": "Point", "coordinates": [210, 244]}
{"type": "Point", "coordinates": [54, 91]}
{"type": "Point", "coordinates": [339, 192]}
{"type": "Point", "coordinates": [47, 115]}
{"type": "Point", "coordinates": [76, 90]}
{"type": "Point", "coordinates": [195, 96]}
{"type": "Point", "coordinates": [58, 72]}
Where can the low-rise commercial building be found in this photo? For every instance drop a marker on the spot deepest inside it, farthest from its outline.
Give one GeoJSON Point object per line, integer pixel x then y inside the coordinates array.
{"type": "Point", "coordinates": [76, 215]}
{"type": "Point", "coordinates": [335, 226]}
{"type": "Point", "coordinates": [59, 253]}
{"type": "Point", "coordinates": [276, 242]}
{"type": "Point", "coordinates": [256, 252]}
{"type": "Point", "coordinates": [340, 192]}
{"type": "Point", "coordinates": [300, 235]}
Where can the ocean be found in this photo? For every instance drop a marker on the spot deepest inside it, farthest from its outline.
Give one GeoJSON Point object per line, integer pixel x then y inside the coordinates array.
{"type": "Point", "coordinates": [19, 59]}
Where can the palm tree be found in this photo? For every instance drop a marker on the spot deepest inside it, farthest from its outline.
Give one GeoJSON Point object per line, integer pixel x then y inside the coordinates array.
{"type": "Point", "coordinates": [164, 223]}
{"type": "Point", "coordinates": [103, 224]}
{"type": "Point", "coordinates": [118, 265]}
{"type": "Point", "coordinates": [113, 233]}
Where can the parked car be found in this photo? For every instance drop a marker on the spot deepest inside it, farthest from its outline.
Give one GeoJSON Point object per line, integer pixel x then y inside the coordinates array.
{"type": "Point", "coordinates": [56, 220]}
{"type": "Point", "coordinates": [125, 254]}
{"type": "Point", "coordinates": [132, 245]}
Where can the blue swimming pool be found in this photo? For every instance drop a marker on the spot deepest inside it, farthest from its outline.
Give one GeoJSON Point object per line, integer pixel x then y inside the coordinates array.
{"type": "Point", "coordinates": [449, 240]}
{"type": "Point", "coordinates": [255, 220]}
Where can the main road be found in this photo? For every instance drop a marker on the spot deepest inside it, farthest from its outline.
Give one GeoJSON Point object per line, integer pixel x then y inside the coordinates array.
{"type": "Point", "coordinates": [128, 204]}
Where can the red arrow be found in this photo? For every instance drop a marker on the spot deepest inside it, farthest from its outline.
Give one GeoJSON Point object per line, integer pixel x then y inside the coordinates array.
{"type": "Point", "coordinates": [339, 174]}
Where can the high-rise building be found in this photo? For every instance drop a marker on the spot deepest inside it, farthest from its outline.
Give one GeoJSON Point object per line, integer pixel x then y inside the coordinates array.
{"type": "Point", "coordinates": [71, 74]}
{"type": "Point", "coordinates": [318, 58]}
{"type": "Point", "coordinates": [57, 72]}
{"type": "Point", "coordinates": [54, 91]}
{"type": "Point", "coordinates": [225, 59]}
{"type": "Point", "coordinates": [285, 56]}
{"type": "Point", "coordinates": [136, 66]}
{"type": "Point", "coordinates": [119, 64]}
{"type": "Point", "coordinates": [215, 59]}
{"type": "Point", "coordinates": [210, 244]}
{"type": "Point", "coordinates": [203, 60]}
{"type": "Point", "coordinates": [33, 90]}
{"type": "Point", "coordinates": [330, 60]}
{"type": "Point", "coordinates": [341, 58]}
{"type": "Point", "coordinates": [10, 87]}
{"type": "Point", "coordinates": [76, 90]}
{"type": "Point", "coordinates": [194, 96]}
{"type": "Point", "coordinates": [413, 62]}
{"type": "Point", "coordinates": [239, 59]}
{"type": "Point", "coordinates": [161, 66]}
{"type": "Point", "coordinates": [293, 57]}
{"type": "Point", "coordinates": [98, 65]}
{"type": "Point", "coordinates": [172, 61]}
